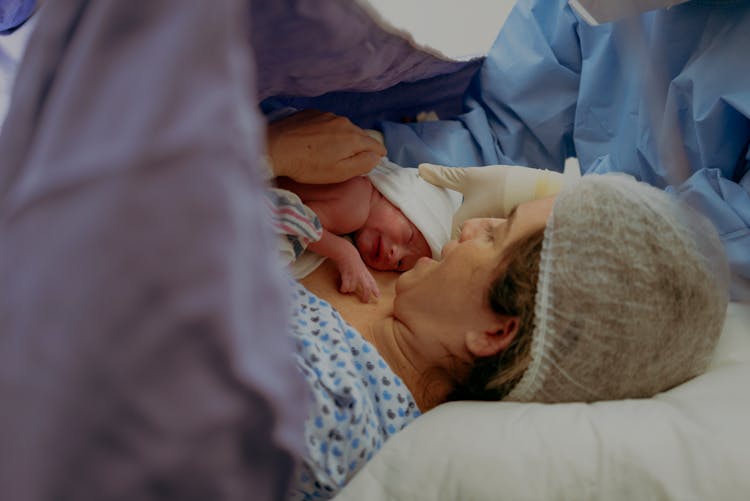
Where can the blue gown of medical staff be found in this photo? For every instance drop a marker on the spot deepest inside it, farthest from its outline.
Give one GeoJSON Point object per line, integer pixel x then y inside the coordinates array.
{"type": "Point", "coordinates": [554, 87]}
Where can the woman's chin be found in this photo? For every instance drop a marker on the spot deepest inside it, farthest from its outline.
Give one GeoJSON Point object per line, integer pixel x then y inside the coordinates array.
{"type": "Point", "coordinates": [422, 266]}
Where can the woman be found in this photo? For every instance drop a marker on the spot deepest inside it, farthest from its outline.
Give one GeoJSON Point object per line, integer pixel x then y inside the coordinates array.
{"type": "Point", "coordinates": [610, 290]}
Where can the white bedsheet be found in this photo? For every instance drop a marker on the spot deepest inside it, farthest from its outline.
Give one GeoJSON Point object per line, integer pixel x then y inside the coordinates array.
{"type": "Point", "coordinates": [689, 443]}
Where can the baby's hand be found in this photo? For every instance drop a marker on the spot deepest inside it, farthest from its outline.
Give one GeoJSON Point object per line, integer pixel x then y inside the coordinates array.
{"type": "Point", "coordinates": [355, 277]}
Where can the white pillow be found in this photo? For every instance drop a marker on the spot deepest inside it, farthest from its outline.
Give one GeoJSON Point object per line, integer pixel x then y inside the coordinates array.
{"type": "Point", "coordinates": [692, 442]}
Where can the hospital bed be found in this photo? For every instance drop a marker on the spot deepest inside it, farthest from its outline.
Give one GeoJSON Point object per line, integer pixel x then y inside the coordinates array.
{"type": "Point", "coordinates": [692, 442]}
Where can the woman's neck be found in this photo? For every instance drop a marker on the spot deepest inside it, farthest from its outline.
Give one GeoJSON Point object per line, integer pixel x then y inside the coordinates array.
{"type": "Point", "coordinates": [376, 323]}
{"type": "Point", "coordinates": [429, 386]}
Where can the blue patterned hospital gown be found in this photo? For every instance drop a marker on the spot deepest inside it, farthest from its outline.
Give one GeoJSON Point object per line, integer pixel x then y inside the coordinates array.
{"type": "Point", "coordinates": [357, 400]}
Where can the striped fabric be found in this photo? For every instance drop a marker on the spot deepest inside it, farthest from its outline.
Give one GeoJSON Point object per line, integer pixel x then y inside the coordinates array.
{"type": "Point", "coordinates": [294, 219]}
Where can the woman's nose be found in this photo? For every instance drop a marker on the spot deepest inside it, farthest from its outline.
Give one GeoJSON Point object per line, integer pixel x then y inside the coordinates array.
{"type": "Point", "coordinates": [469, 230]}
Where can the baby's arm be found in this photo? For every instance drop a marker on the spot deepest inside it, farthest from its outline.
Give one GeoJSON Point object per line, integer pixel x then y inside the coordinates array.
{"type": "Point", "coordinates": [342, 207]}
{"type": "Point", "coordinates": [355, 277]}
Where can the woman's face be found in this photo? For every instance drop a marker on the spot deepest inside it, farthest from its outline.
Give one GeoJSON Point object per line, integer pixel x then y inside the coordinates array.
{"type": "Point", "coordinates": [446, 297]}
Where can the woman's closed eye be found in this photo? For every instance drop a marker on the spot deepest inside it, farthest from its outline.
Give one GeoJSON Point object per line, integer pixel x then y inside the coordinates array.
{"type": "Point", "coordinates": [489, 231]}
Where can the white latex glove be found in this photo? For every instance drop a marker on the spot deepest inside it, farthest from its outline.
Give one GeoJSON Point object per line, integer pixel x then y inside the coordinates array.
{"type": "Point", "coordinates": [494, 190]}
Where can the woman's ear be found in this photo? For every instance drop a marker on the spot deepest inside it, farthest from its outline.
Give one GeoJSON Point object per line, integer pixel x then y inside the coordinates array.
{"type": "Point", "coordinates": [492, 341]}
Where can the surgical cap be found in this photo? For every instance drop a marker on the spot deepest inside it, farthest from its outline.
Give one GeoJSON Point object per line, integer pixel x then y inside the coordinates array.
{"type": "Point", "coordinates": [631, 296]}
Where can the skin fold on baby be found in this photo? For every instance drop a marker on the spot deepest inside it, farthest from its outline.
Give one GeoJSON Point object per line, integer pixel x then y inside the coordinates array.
{"type": "Point", "coordinates": [384, 238]}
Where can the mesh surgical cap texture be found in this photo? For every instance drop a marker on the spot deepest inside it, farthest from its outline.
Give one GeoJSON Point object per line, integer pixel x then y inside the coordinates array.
{"type": "Point", "coordinates": [631, 297]}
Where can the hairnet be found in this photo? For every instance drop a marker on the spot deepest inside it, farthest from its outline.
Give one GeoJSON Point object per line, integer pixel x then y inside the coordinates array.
{"type": "Point", "coordinates": [631, 297]}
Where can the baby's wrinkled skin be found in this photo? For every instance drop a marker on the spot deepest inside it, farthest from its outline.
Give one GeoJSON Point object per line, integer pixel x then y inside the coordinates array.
{"type": "Point", "coordinates": [384, 238]}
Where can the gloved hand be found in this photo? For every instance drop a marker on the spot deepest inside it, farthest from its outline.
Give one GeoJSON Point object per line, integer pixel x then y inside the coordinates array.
{"type": "Point", "coordinates": [494, 190]}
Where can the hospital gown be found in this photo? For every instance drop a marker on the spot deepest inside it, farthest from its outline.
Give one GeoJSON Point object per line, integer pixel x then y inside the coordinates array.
{"type": "Point", "coordinates": [357, 400]}
{"type": "Point", "coordinates": [553, 87]}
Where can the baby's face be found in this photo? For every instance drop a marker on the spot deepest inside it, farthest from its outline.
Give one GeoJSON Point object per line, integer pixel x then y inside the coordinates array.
{"type": "Point", "coordinates": [388, 240]}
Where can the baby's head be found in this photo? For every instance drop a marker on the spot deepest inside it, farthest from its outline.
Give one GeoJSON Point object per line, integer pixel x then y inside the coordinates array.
{"type": "Point", "coordinates": [388, 241]}
{"type": "Point", "coordinates": [409, 219]}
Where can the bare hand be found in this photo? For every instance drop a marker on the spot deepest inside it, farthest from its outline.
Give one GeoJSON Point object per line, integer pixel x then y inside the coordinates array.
{"type": "Point", "coordinates": [317, 148]}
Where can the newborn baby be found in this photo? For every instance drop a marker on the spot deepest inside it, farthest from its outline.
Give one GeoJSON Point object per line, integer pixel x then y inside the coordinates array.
{"type": "Point", "coordinates": [393, 216]}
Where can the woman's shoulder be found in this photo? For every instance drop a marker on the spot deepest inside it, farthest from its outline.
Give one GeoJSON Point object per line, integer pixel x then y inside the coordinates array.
{"type": "Point", "coordinates": [357, 401]}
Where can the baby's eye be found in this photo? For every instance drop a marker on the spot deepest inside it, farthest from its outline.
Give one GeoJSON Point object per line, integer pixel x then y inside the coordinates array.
{"type": "Point", "coordinates": [400, 264]}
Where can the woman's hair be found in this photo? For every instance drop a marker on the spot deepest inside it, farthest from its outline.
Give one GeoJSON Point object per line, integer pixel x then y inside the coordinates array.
{"type": "Point", "coordinates": [513, 292]}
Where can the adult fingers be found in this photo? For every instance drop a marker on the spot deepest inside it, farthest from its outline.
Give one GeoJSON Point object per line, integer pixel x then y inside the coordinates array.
{"type": "Point", "coordinates": [357, 165]}
{"type": "Point", "coordinates": [356, 140]}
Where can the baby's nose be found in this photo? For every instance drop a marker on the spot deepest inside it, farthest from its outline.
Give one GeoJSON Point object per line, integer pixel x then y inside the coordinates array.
{"type": "Point", "coordinates": [394, 255]}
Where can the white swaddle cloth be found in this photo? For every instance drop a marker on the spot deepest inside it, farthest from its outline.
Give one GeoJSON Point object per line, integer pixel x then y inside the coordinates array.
{"type": "Point", "coordinates": [430, 208]}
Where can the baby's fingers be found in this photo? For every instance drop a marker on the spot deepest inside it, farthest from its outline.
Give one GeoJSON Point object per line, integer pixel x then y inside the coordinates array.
{"type": "Point", "coordinates": [348, 285]}
{"type": "Point", "coordinates": [369, 289]}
